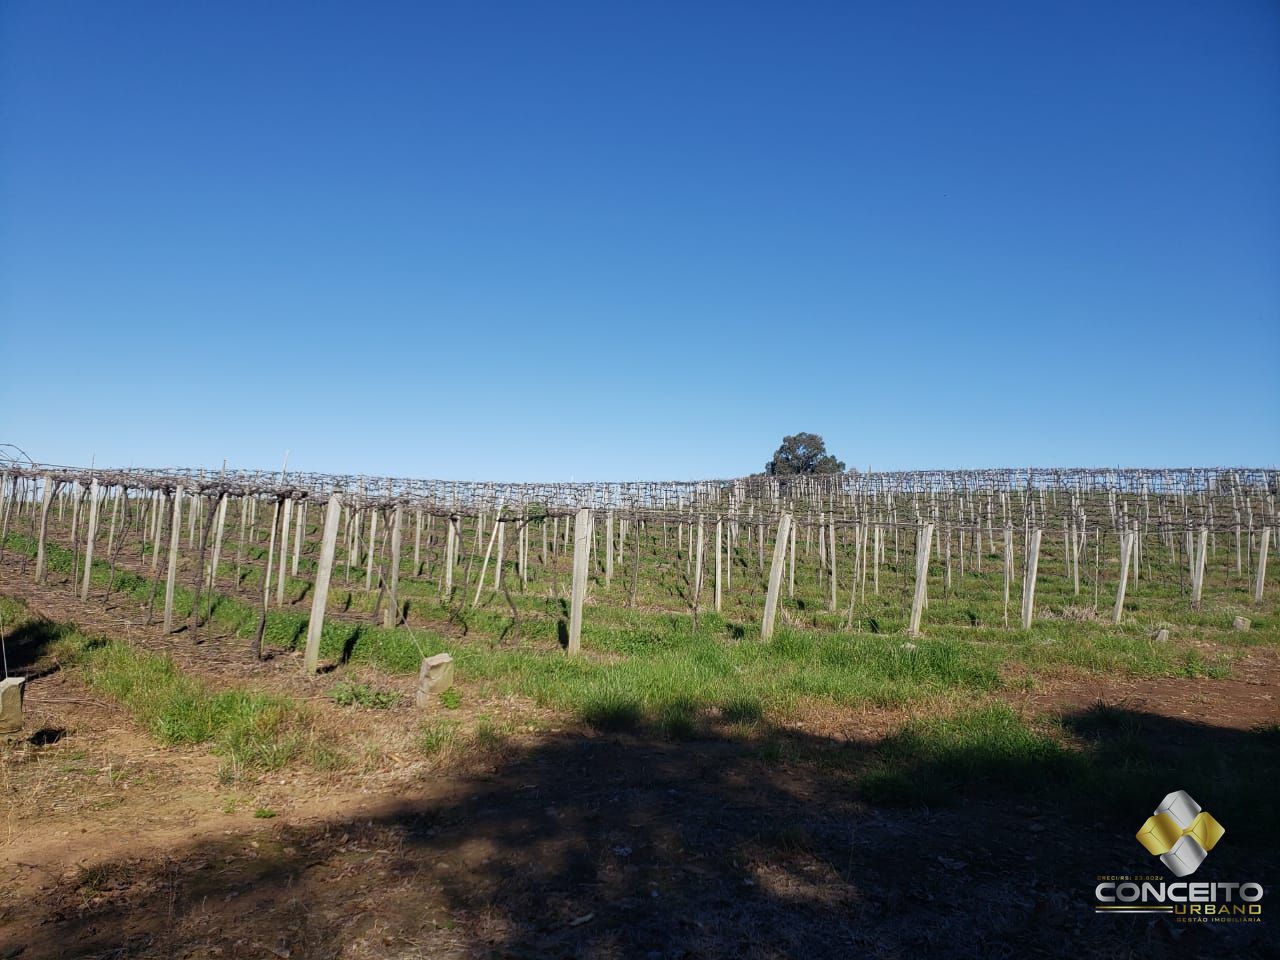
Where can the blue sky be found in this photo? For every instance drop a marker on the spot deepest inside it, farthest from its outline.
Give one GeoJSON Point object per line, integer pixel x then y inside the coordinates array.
{"type": "Point", "coordinates": [624, 240]}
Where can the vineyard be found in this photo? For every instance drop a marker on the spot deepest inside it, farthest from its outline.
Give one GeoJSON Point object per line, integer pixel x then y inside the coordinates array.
{"type": "Point", "coordinates": [838, 543]}
{"type": "Point", "coordinates": [815, 650]}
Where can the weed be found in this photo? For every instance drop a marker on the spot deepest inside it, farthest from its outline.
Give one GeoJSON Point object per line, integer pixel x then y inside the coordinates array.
{"type": "Point", "coordinates": [350, 693]}
{"type": "Point", "coordinates": [451, 699]}
{"type": "Point", "coordinates": [437, 735]}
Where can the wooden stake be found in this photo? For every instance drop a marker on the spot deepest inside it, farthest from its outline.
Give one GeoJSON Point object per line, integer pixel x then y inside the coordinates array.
{"type": "Point", "coordinates": [299, 531]}
{"type": "Point", "coordinates": [582, 526]}
{"type": "Point", "coordinates": [44, 529]}
{"type": "Point", "coordinates": [924, 537]}
{"type": "Point", "coordinates": [1261, 576]}
{"type": "Point", "coordinates": [719, 559]}
{"type": "Point", "coordinates": [89, 538]}
{"type": "Point", "coordinates": [497, 522]}
{"type": "Point", "coordinates": [271, 554]}
{"type": "Point", "coordinates": [1029, 584]}
{"type": "Point", "coordinates": [284, 550]}
{"type": "Point", "coordinates": [171, 579]}
{"type": "Point", "coordinates": [450, 556]}
{"type": "Point", "coordinates": [608, 549]}
{"type": "Point", "coordinates": [111, 532]}
{"type": "Point", "coordinates": [217, 541]}
{"type": "Point", "coordinates": [320, 593]}
{"type": "Point", "coordinates": [1126, 556]}
{"type": "Point", "coordinates": [370, 549]}
{"type": "Point", "coordinates": [1197, 573]}
{"type": "Point", "coordinates": [391, 616]}
{"type": "Point", "coordinates": [775, 574]}
{"type": "Point", "coordinates": [831, 551]}
{"type": "Point", "coordinates": [244, 514]}
{"type": "Point", "coordinates": [791, 564]}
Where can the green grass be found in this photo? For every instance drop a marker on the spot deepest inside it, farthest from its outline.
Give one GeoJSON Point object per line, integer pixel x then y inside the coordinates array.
{"type": "Point", "coordinates": [252, 731]}
{"type": "Point", "coordinates": [436, 735]}
{"type": "Point", "coordinates": [983, 752]}
{"type": "Point", "coordinates": [444, 737]}
{"type": "Point", "coordinates": [651, 667]}
{"type": "Point", "coordinates": [1102, 764]}
{"type": "Point", "coordinates": [451, 699]}
{"type": "Point", "coordinates": [349, 693]}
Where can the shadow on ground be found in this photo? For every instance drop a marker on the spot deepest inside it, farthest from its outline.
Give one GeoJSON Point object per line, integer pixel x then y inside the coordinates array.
{"type": "Point", "coordinates": [29, 644]}
{"type": "Point", "coordinates": [631, 846]}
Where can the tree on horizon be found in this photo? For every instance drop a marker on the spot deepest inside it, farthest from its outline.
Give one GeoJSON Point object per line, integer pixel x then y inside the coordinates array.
{"type": "Point", "coordinates": [802, 453]}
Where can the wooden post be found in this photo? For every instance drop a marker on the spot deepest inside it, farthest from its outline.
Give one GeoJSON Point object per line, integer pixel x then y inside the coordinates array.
{"type": "Point", "coordinates": [156, 527]}
{"type": "Point", "coordinates": [924, 537]}
{"type": "Point", "coordinates": [201, 574]}
{"type": "Point", "coordinates": [582, 525]}
{"type": "Point", "coordinates": [944, 547]}
{"type": "Point", "coordinates": [1029, 584]}
{"type": "Point", "coordinates": [89, 538]}
{"type": "Point", "coordinates": [8, 511]}
{"type": "Point", "coordinates": [502, 552]}
{"type": "Point", "coordinates": [697, 573]}
{"type": "Point", "coordinates": [111, 532]}
{"type": "Point", "coordinates": [1009, 566]}
{"type": "Point", "coordinates": [46, 500]}
{"type": "Point", "coordinates": [731, 535]}
{"type": "Point", "coordinates": [76, 498]}
{"type": "Point", "coordinates": [831, 551]}
{"type": "Point", "coordinates": [497, 522]}
{"type": "Point", "coordinates": [1126, 555]}
{"type": "Point", "coordinates": [775, 574]}
{"type": "Point", "coordinates": [1261, 576]}
{"type": "Point", "coordinates": [1197, 573]}
{"type": "Point", "coordinates": [719, 558]}
{"type": "Point", "coordinates": [244, 516]}
{"type": "Point", "coordinates": [876, 556]}
{"type": "Point", "coordinates": [284, 550]}
{"type": "Point", "coordinates": [450, 551]}
{"type": "Point", "coordinates": [791, 564]}
{"type": "Point", "coordinates": [522, 548]}
{"type": "Point", "coordinates": [171, 578]}
{"type": "Point", "coordinates": [351, 535]}
{"type": "Point", "coordinates": [299, 531]}
{"type": "Point", "coordinates": [608, 549]}
{"type": "Point", "coordinates": [320, 594]}
{"type": "Point", "coordinates": [1075, 561]}
{"type": "Point", "coordinates": [391, 616]}
{"type": "Point", "coordinates": [271, 556]}
{"type": "Point", "coordinates": [217, 541]}
{"type": "Point", "coordinates": [370, 549]}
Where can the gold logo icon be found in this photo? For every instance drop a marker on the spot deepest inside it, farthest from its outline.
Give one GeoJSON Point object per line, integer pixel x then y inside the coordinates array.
{"type": "Point", "coordinates": [1180, 833]}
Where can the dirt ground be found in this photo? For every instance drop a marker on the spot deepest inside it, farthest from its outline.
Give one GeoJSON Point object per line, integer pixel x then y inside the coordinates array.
{"type": "Point", "coordinates": [565, 842]}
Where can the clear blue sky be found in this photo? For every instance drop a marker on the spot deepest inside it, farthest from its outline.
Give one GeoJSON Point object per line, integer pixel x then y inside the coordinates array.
{"type": "Point", "coordinates": [639, 240]}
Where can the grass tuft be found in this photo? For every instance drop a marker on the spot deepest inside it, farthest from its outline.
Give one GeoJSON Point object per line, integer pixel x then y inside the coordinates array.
{"type": "Point", "coordinates": [350, 693]}
{"type": "Point", "coordinates": [986, 752]}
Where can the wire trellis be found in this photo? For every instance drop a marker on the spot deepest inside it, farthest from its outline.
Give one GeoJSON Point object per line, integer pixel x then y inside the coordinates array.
{"type": "Point", "coordinates": [1213, 497]}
